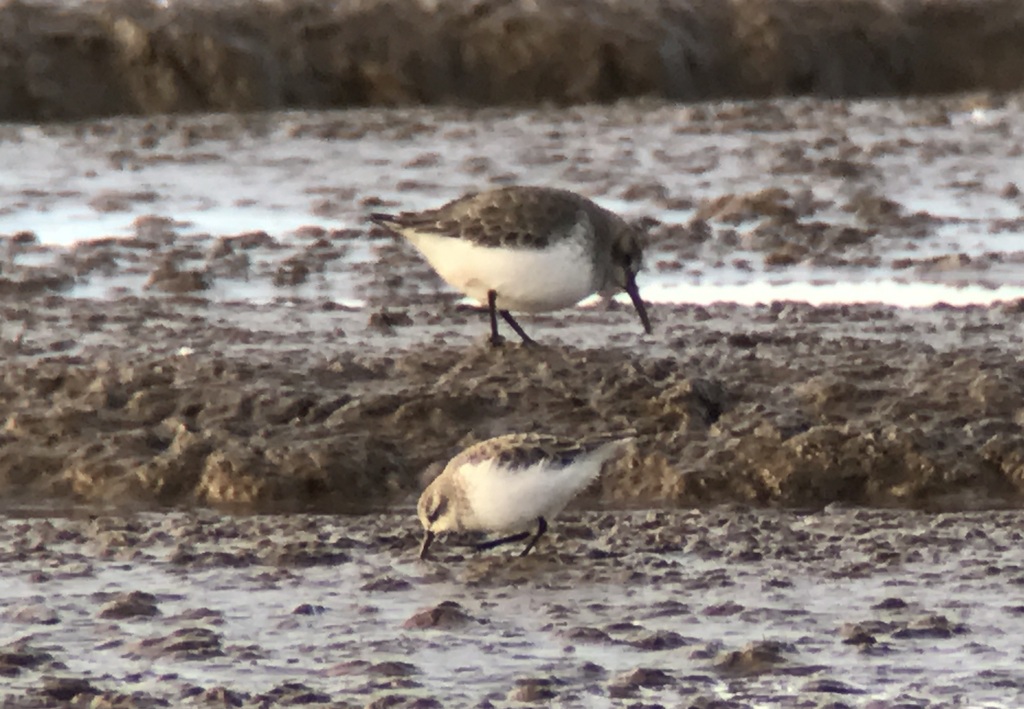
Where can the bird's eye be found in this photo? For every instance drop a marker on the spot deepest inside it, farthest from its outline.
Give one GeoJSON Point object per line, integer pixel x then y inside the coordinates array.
{"type": "Point", "coordinates": [435, 513]}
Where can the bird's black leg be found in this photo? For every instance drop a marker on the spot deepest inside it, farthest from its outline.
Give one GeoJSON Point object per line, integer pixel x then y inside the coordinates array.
{"type": "Point", "coordinates": [542, 526]}
{"type": "Point", "coordinates": [527, 340]}
{"type": "Point", "coordinates": [518, 537]}
{"type": "Point", "coordinates": [492, 308]}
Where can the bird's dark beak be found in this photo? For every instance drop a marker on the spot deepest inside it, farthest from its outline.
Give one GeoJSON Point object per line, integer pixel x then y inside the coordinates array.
{"type": "Point", "coordinates": [638, 303]}
{"type": "Point", "coordinates": [428, 537]}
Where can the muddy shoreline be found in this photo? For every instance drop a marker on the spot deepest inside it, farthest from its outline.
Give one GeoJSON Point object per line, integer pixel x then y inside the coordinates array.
{"type": "Point", "coordinates": [70, 61]}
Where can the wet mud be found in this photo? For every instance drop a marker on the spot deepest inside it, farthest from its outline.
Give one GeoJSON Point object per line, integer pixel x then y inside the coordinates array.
{"type": "Point", "coordinates": [67, 61]}
{"type": "Point", "coordinates": [820, 509]}
{"type": "Point", "coordinates": [726, 608]}
{"type": "Point", "coordinates": [326, 368]}
{"type": "Point", "coordinates": [782, 404]}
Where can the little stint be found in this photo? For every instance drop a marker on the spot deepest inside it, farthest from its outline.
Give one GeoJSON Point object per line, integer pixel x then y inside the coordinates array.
{"type": "Point", "coordinates": [510, 484]}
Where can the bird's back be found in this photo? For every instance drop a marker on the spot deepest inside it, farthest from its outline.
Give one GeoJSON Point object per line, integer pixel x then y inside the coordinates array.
{"type": "Point", "coordinates": [512, 217]}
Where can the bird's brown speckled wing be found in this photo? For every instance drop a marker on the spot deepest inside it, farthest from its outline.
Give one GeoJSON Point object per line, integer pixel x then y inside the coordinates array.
{"type": "Point", "coordinates": [522, 450]}
{"type": "Point", "coordinates": [517, 217]}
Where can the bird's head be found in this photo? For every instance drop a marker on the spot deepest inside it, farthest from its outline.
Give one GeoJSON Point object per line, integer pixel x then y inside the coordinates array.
{"type": "Point", "coordinates": [434, 513]}
{"type": "Point", "coordinates": [627, 261]}
{"type": "Point", "coordinates": [432, 510]}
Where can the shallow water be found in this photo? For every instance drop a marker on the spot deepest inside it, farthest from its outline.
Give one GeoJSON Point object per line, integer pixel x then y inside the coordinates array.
{"type": "Point", "coordinates": [957, 235]}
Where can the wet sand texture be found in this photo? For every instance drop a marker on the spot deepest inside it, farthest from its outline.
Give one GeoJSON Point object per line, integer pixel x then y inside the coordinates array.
{"type": "Point", "coordinates": [129, 56]}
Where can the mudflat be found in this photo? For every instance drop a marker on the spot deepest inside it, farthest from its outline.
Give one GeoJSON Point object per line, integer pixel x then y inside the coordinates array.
{"type": "Point", "coordinates": [822, 503]}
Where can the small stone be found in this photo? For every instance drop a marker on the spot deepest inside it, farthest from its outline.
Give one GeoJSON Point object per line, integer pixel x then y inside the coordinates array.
{"type": "Point", "coordinates": [445, 616]}
{"type": "Point", "coordinates": [33, 614]}
{"type": "Point", "coordinates": [308, 609]}
{"type": "Point", "coordinates": [292, 272]}
{"type": "Point", "coordinates": [168, 277]}
{"type": "Point", "coordinates": [185, 644]}
{"type": "Point", "coordinates": [723, 609]}
{"type": "Point", "coordinates": [386, 584]}
{"type": "Point", "coordinates": [753, 659]}
{"type": "Point", "coordinates": [392, 669]}
{"type": "Point", "coordinates": [890, 604]}
{"type": "Point", "coordinates": [293, 693]}
{"type": "Point", "coordinates": [64, 689]}
{"type": "Point", "coordinates": [741, 340]}
{"type": "Point", "coordinates": [387, 320]}
{"type": "Point", "coordinates": [222, 696]}
{"type": "Point", "coordinates": [533, 689]}
{"type": "Point", "coordinates": [660, 640]}
{"type": "Point", "coordinates": [587, 635]}
{"type": "Point", "coordinates": [424, 703]}
{"type": "Point", "coordinates": [21, 656]}
{"type": "Point", "coordinates": [830, 686]}
{"type": "Point", "coordinates": [930, 626]}
{"type": "Point", "coordinates": [137, 604]}
{"type": "Point", "coordinates": [644, 677]}
{"type": "Point", "coordinates": [860, 637]}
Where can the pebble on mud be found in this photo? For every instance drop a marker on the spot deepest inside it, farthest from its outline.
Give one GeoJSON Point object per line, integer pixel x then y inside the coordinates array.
{"type": "Point", "coordinates": [387, 320]}
{"type": "Point", "coordinates": [168, 277]}
{"type": "Point", "coordinates": [184, 644]}
{"type": "Point", "coordinates": [135, 604]}
{"type": "Point", "coordinates": [290, 693]}
{"type": "Point", "coordinates": [20, 655]}
{"type": "Point", "coordinates": [629, 683]}
{"type": "Point", "coordinates": [65, 689]}
{"type": "Point", "coordinates": [386, 584]}
{"type": "Point", "coordinates": [587, 635]}
{"type": "Point", "coordinates": [32, 614]}
{"type": "Point", "coordinates": [660, 640]}
{"type": "Point", "coordinates": [447, 615]}
{"type": "Point", "coordinates": [308, 609]}
{"type": "Point", "coordinates": [220, 696]}
{"type": "Point", "coordinates": [831, 686]}
{"type": "Point", "coordinates": [292, 272]}
{"type": "Point", "coordinates": [754, 659]}
{"type": "Point", "coordinates": [930, 626]}
{"type": "Point", "coordinates": [304, 554]}
{"type": "Point", "coordinates": [534, 689]}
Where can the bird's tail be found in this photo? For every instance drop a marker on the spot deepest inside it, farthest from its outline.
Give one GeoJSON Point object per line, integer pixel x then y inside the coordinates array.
{"type": "Point", "coordinates": [610, 445]}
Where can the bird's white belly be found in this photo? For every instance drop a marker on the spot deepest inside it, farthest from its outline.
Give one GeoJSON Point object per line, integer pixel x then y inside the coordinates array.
{"type": "Point", "coordinates": [526, 280]}
{"type": "Point", "coordinates": [505, 500]}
